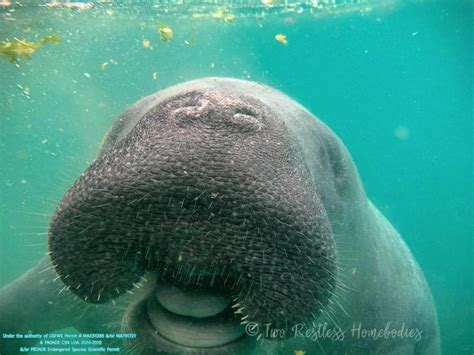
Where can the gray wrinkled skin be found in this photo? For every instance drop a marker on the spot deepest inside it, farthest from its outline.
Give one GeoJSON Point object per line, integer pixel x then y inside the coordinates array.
{"type": "Point", "coordinates": [218, 202]}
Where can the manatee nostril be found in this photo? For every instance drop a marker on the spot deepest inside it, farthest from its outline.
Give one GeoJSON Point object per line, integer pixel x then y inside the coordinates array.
{"type": "Point", "coordinates": [244, 110]}
{"type": "Point", "coordinates": [246, 118]}
{"type": "Point", "coordinates": [191, 110]}
{"type": "Point", "coordinates": [215, 110]}
{"type": "Point", "coordinates": [240, 118]}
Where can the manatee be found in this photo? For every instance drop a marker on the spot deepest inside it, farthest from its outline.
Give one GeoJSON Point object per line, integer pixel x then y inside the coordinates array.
{"type": "Point", "coordinates": [223, 217]}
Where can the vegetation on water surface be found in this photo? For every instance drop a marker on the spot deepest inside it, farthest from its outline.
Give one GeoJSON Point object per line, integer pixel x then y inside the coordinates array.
{"type": "Point", "coordinates": [17, 48]}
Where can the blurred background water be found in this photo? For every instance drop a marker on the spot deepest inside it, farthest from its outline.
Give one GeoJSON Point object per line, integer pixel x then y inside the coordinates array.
{"type": "Point", "coordinates": [393, 79]}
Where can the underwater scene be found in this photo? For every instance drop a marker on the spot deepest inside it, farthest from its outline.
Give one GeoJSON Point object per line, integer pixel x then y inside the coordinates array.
{"type": "Point", "coordinates": [238, 177]}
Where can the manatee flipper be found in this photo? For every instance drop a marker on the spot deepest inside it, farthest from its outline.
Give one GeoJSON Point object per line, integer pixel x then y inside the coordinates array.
{"type": "Point", "coordinates": [35, 303]}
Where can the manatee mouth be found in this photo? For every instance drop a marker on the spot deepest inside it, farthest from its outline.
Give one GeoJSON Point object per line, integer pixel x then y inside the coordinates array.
{"type": "Point", "coordinates": [195, 318]}
{"type": "Point", "coordinates": [175, 317]}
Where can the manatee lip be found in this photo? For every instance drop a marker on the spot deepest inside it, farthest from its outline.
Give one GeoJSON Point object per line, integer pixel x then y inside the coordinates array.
{"type": "Point", "coordinates": [193, 316]}
{"type": "Point", "coordinates": [200, 332]}
{"type": "Point", "coordinates": [191, 302]}
{"type": "Point", "coordinates": [173, 318]}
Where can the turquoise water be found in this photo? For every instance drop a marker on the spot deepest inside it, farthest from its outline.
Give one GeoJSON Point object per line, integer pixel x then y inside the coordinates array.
{"type": "Point", "coordinates": [392, 79]}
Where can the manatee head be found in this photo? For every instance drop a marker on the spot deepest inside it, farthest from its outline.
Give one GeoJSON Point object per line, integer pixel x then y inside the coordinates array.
{"type": "Point", "coordinates": [203, 196]}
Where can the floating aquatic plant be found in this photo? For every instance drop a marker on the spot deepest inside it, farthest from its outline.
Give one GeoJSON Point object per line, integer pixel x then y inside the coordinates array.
{"type": "Point", "coordinates": [281, 38]}
{"type": "Point", "coordinates": [17, 48]}
{"type": "Point", "coordinates": [223, 15]}
{"type": "Point", "coordinates": [166, 33]}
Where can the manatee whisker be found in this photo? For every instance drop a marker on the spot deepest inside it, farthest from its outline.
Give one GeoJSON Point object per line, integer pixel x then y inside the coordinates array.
{"type": "Point", "coordinates": [341, 307]}
{"type": "Point", "coordinates": [48, 215]}
{"type": "Point", "coordinates": [34, 245]}
{"type": "Point", "coordinates": [326, 314]}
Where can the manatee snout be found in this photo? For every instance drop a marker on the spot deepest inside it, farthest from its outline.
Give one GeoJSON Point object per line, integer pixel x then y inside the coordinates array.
{"type": "Point", "coordinates": [207, 193]}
